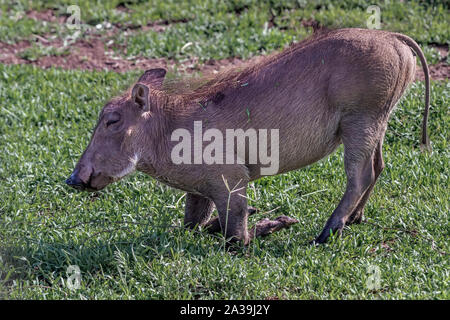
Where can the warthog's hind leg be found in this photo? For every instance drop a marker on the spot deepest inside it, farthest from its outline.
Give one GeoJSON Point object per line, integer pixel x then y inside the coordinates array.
{"type": "Point", "coordinates": [360, 136]}
{"type": "Point", "coordinates": [378, 166]}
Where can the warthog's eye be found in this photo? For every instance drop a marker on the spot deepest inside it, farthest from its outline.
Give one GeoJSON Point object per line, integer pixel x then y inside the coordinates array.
{"type": "Point", "coordinates": [112, 118]}
{"type": "Point", "coordinates": [110, 122]}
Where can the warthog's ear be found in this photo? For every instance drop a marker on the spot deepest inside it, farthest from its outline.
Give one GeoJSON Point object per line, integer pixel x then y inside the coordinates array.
{"type": "Point", "coordinates": [140, 95]}
{"type": "Point", "coordinates": [153, 77]}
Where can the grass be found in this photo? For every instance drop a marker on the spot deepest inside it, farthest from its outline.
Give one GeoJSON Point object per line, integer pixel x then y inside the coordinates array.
{"type": "Point", "coordinates": [432, 55]}
{"type": "Point", "coordinates": [128, 241]}
{"type": "Point", "coordinates": [220, 29]}
{"type": "Point", "coordinates": [35, 52]}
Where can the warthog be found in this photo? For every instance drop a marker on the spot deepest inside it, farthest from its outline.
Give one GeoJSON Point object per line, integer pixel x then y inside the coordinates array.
{"type": "Point", "coordinates": [336, 87]}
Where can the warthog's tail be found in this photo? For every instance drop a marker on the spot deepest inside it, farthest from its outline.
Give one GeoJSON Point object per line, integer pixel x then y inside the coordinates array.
{"type": "Point", "coordinates": [425, 143]}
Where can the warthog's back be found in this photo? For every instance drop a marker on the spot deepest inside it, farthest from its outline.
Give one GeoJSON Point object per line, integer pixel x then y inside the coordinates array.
{"type": "Point", "coordinates": [305, 90]}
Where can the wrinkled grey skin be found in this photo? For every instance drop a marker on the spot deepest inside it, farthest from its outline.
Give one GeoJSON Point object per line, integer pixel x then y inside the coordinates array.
{"type": "Point", "coordinates": [338, 87]}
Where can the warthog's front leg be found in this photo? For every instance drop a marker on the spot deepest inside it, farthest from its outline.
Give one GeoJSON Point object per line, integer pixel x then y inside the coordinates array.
{"type": "Point", "coordinates": [266, 226]}
{"type": "Point", "coordinates": [260, 229]}
{"type": "Point", "coordinates": [232, 209]}
{"type": "Point", "coordinates": [233, 215]}
{"type": "Point", "coordinates": [197, 210]}
{"type": "Point", "coordinates": [213, 225]}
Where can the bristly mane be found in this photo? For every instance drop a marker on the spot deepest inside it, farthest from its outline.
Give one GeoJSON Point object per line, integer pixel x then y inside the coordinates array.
{"type": "Point", "coordinates": [177, 93]}
{"type": "Point", "coordinates": [210, 85]}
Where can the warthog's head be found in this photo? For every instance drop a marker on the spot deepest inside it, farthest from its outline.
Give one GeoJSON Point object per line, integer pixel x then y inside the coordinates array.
{"type": "Point", "coordinates": [118, 139]}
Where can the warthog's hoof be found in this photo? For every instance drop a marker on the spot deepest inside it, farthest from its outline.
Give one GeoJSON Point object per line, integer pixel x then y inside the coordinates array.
{"type": "Point", "coordinates": [251, 210]}
{"type": "Point", "coordinates": [266, 226]}
{"type": "Point", "coordinates": [355, 218]}
{"type": "Point", "coordinates": [333, 227]}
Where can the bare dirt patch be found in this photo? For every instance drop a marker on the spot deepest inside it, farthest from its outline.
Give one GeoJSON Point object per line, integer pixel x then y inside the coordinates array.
{"type": "Point", "coordinates": [9, 52]}
{"type": "Point", "coordinates": [45, 15]}
{"type": "Point", "coordinates": [439, 71]}
{"type": "Point", "coordinates": [91, 55]}
{"type": "Point", "coordinates": [83, 54]}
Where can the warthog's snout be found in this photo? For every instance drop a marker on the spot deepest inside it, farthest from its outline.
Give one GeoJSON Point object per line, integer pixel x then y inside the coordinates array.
{"type": "Point", "coordinates": [85, 178]}
{"type": "Point", "coordinates": [75, 181]}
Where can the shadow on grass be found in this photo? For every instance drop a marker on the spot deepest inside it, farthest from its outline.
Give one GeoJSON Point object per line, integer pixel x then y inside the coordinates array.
{"type": "Point", "coordinates": [26, 260]}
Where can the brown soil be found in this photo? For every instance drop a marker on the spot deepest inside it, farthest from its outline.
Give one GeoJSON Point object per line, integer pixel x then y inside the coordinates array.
{"type": "Point", "coordinates": [91, 55]}
{"type": "Point", "coordinates": [45, 15]}
{"type": "Point", "coordinates": [9, 52]}
{"type": "Point", "coordinates": [440, 71]}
